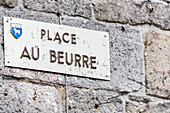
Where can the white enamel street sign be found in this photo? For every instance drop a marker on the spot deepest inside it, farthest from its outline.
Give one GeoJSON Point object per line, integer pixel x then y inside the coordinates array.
{"type": "Point", "coordinates": [56, 48]}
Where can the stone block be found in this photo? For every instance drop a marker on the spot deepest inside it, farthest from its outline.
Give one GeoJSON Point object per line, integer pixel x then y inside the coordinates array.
{"type": "Point", "coordinates": [69, 7]}
{"type": "Point", "coordinates": [143, 99]}
{"type": "Point", "coordinates": [135, 107]}
{"type": "Point", "coordinates": [146, 108]}
{"type": "Point", "coordinates": [93, 101]}
{"type": "Point", "coordinates": [19, 96]}
{"type": "Point", "coordinates": [9, 3]}
{"type": "Point", "coordinates": [72, 21]}
{"type": "Point", "coordinates": [159, 108]}
{"type": "Point", "coordinates": [133, 12]}
{"type": "Point", "coordinates": [31, 15]}
{"type": "Point", "coordinates": [126, 58]}
{"type": "Point", "coordinates": [157, 60]}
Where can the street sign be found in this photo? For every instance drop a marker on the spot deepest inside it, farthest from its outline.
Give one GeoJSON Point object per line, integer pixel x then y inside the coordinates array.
{"type": "Point", "coordinates": [56, 48]}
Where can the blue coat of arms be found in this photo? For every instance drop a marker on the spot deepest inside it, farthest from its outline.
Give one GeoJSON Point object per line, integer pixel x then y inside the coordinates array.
{"type": "Point", "coordinates": [16, 30]}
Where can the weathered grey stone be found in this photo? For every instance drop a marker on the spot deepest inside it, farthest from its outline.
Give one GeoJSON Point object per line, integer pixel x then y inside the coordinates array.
{"type": "Point", "coordinates": [70, 7]}
{"type": "Point", "coordinates": [9, 3]}
{"type": "Point", "coordinates": [31, 15]}
{"type": "Point", "coordinates": [159, 108]}
{"type": "Point", "coordinates": [18, 96]}
{"type": "Point", "coordinates": [33, 75]}
{"type": "Point", "coordinates": [143, 99]}
{"type": "Point", "coordinates": [127, 63]}
{"type": "Point", "coordinates": [90, 101]}
{"type": "Point", "coordinates": [146, 108]}
{"type": "Point", "coordinates": [97, 26]}
{"type": "Point", "coordinates": [72, 21]}
{"type": "Point", "coordinates": [133, 12]}
{"type": "Point", "coordinates": [135, 107]}
{"type": "Point", "coordinates": [157, 55]}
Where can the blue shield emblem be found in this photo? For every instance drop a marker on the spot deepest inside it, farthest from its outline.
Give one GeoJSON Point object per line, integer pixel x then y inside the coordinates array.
{"type": "Point", "coordinates": [16, 30]}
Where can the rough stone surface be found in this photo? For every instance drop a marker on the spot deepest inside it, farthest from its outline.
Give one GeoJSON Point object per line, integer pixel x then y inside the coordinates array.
{"type": "Point", "coordinates": [126, 52]}
{"type": "Point", "coordinates": [143, 99]}
{"type": "Point", "coordinates": [136, 107]}
{"type": "Point", "coordinates": [31, 15]}
{"type": "Point", "coordinates": [92, 101]}
{"type": "Point", "coordinates": [9, 3]}
{"type": "Point", "coordinates": [160, 108]}
{"type": "Point", "coordinates": [133, 12]}
{"type": "Point", "coordinates": [157, 57]}
{"type": "Point", "coordinates": [146, 108]}
{"type": "Point", "coordinates": [70, 7]}
{"type": "Point", "coordinates": [74, 22]}
{"type": "Point", "coordinates": [20, 96]}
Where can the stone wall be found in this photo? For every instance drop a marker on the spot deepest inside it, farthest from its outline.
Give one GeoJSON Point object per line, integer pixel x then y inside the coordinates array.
{"type": "Point", "coordinates": [139, 32]}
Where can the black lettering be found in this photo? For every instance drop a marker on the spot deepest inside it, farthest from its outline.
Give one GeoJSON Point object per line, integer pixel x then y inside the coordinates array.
{"type": "Point", "coordinates": [93, 60]}
{"type": "Point", "coordinates": [57, 37]}
{"type": "Point", "coordinates": [60, 55]}
{"type": "Point", "coordinates": [42, 33]}
{"type": "Point", "coordinates": [66, 41]}
{"type": "Point", "coordinates": [71, 59]}
{"type": "Point", "coordinates": [77, 60]}
{"type": "Point", "coordinates": [48, 36]}
{"type": "Point", "coordinates": [73, 39]}
{"type": "Point", "coordinates": [52, 56]}
{"type": "Point", "coordinates": [85, 61]}
{"type": "Point", "coordinates": [35, 58]}
{"type": "Point", "coordinates": [25, 55]}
